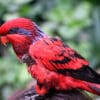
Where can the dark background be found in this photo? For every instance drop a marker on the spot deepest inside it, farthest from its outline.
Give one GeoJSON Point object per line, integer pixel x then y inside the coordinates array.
{"type": "Point", "coordinates": [76, 22]}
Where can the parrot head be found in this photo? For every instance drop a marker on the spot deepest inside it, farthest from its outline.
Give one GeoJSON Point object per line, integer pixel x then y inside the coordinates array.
{"type": "Point", "coordinates": [20, 30]}
{"type": "Point", "coordinates": [21, 33]}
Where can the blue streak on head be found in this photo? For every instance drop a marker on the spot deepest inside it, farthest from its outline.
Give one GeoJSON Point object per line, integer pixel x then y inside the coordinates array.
{"type": "Point", "coordinates": [39, 31]}
{"type": "Point", "coordinates": [24, 32]}
{"type": "Point", "coordinates": [20, 31]}
{"type": "Point", "coordinates": [36, 34]}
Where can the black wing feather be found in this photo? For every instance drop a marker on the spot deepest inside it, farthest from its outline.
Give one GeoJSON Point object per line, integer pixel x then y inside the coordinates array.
{"type": "Point", "coordinates": [85, 73]}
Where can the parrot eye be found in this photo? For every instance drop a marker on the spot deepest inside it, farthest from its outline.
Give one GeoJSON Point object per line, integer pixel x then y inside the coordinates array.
{"type": "Point", "coordinates": [13, 30]}
{"type": "Point", "coordinates": [20, 31]}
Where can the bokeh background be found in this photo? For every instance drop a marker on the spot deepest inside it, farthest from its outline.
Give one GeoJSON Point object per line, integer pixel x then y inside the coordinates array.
{"type": "Point", "coordinates": [76, 22]}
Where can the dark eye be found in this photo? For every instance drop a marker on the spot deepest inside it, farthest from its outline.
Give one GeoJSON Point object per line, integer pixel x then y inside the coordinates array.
{"type": "Point", "coordinates": [20, 31]}
{"type": "Point", "coordinates": [13, 30]}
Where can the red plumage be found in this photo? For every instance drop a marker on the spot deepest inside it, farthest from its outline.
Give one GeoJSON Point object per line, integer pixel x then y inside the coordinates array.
{"type": "Point", "coordinates": [53, 64]}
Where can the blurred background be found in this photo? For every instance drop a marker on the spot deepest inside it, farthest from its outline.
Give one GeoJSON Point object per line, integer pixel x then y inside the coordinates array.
{"type": "Point", "coordinates": [76, 22]}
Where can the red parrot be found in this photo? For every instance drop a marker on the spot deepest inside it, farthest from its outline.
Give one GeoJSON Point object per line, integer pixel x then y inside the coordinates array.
{"type": "Point", "coordinates": [51, 62]}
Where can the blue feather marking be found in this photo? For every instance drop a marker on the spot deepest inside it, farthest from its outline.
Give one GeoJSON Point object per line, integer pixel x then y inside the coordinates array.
{"type": "Point", "coordinates": [21, 31]}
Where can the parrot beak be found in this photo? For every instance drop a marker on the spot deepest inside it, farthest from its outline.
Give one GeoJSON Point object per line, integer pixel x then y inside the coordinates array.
{"type": "Point", "coordinates": [4, 40]}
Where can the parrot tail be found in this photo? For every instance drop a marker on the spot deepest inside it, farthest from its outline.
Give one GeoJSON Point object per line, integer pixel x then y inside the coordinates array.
{"type": "Point", "coordinates": [95, 88]}
{"type": "Point", "coordinates": [91, 87]}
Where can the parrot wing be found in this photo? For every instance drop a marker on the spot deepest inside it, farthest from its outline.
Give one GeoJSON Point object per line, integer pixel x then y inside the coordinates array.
{"type": "Point", "coordinates": [58, 57]}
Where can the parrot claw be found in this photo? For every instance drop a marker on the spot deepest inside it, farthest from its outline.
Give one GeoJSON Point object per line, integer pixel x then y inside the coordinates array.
{"type": "Point", "coordinates": [32, 95]}
{"type": "Point", "coordinates": [39, 97]}
{"type": "Point", "coordinates": [35, 97]}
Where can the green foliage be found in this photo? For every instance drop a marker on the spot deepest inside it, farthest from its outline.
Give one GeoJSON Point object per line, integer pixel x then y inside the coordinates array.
{"type": "Point", "coordinates": [13, 74]}
{"type": "Point", "coordinates": [94, 2]}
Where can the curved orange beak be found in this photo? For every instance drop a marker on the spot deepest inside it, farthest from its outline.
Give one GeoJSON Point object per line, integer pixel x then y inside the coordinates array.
{"type": "Point", "coordinates": [4, 40]}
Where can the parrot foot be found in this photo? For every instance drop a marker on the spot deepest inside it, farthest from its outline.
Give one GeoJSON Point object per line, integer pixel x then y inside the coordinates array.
{"type": "Point", "coordinates": [35, 97]}
{"type": "Point", "coordinates": [32, 95]}
{"type": "Point", "coordinates": [39, 97]}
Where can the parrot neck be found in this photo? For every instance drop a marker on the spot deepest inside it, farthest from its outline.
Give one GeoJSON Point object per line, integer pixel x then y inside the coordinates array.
{"type": "Point", "coordinates": [21, 43]}
{"type": "Point", "coordinates": [22, 48]}
{"type": "Point", "coordinates": [39, 34]}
